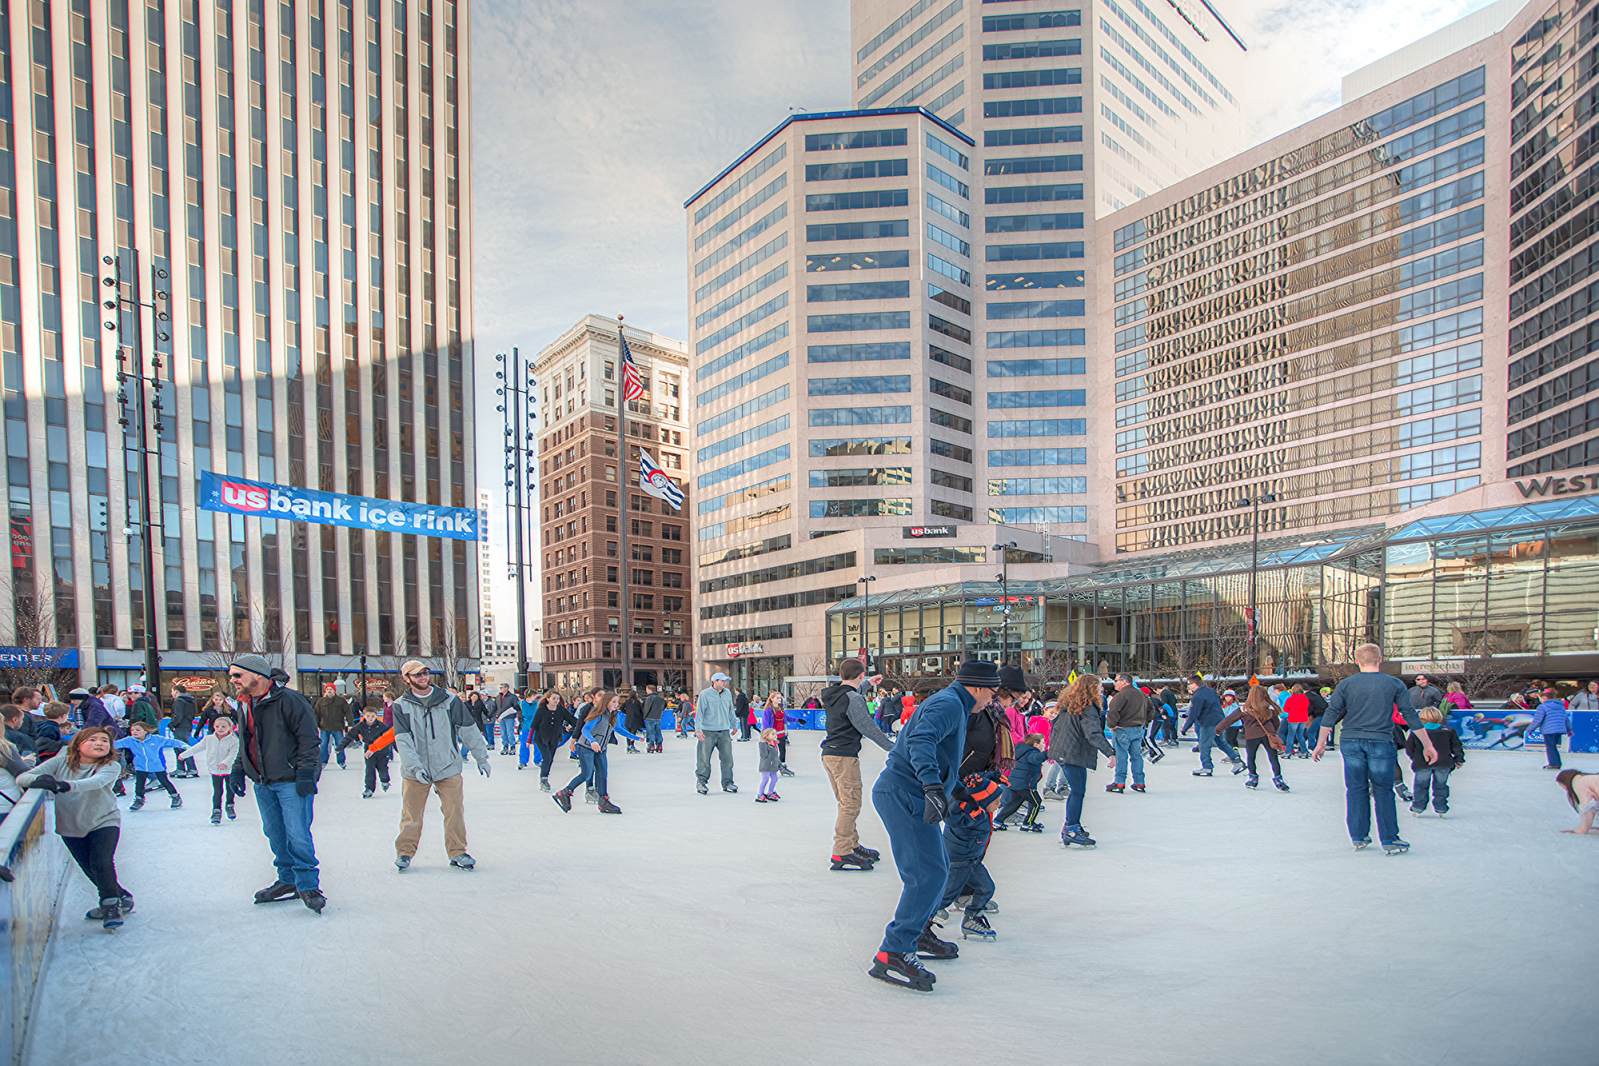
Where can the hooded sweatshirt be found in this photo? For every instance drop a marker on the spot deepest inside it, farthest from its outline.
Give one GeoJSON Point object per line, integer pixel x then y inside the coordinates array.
{"type": "Point", "coordinates": [214, 754]}
{"type": "Point", "coordinates": [425, 728]}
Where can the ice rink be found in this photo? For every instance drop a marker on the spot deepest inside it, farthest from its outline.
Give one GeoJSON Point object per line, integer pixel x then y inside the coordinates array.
{"type": "Point", "coordinates": [1211, 925]}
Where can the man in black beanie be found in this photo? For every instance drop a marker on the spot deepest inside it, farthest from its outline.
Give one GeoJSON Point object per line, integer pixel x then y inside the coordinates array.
{"type": "Point", "coordinates": [278, 751]}
{"type": "Point", "coordinates": [912, 796]}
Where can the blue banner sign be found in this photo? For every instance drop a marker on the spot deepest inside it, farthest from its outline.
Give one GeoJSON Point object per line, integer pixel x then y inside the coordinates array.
{"type": "Point", "coordinates": [50, 658]}
{"type": "Point", "coordinates": [237, 495]}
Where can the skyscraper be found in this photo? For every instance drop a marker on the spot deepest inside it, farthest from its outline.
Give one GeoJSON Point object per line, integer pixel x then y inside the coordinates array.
{"type": "Point", "coordinates": [293, 173]}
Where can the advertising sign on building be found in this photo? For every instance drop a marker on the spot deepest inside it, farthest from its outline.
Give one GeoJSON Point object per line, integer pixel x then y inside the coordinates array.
{"type": "Point", "coordinates": [923, 532]}
{"type": "Point", "coordinates": [197, 683]}
{"type": "Point", "coordinates": [753, 647]}
{"type": "Point", "coordinates": [237, 495]}
{"type": "Point", "coordinates": [1433, 666]}
{"type": "Point", "coordinates": [50, 658]}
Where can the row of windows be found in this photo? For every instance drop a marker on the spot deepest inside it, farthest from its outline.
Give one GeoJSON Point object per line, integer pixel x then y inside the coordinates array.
{"type": "Point", "coordinates": [1035, 20]}
{"type": "Point", "coordinates": [1027, 79]}
{"type": "Point", "coordinates": [1032, 516]}
{"type": "Point", "coordinates": [1033, 223]}
{"type": "Point", "coordinates": [748, 407]}
{"type": "Point", "coordinates": [1555, 392]}
{"type": "Point", "coordinates": [735, 355]}
{"type": "Point", "coordinates": [1037, 456]}
{"type": "Point", "coordinates": [1037, 486]}
{"type": "Point", "coordinates": [787, 572]}
{"type": "Point", "coordinates": [861, 446]}
{"type": "Point", "coordinates": [742, 211]}
{"type": "Point", "coordinates": [857, 231]}
{"type": "Point", "coordinates": [850, 323]}
{"type": "Point", "coordinates": [1576, 422]}
{"type": "Point", "coordinates": [858, 353]}
{"type": "Point", "coordinates": [1554, 355]}
{"type": "Point", "coordinates": [928, 555]}
{"type": "Point", "coordinates": [864, 290]}
{"type": "Point", "coordinates": [848, 479]}
{"type": "Point", "coordinates": [726, 304]}
{"type": "Point", "coordinates": [1574, 192]}
{"type": "Point", "coordinates": [749, 178]}
{"type": "Point", "coordinates": [1011, 253]}
{"type": "Point", "coordinates": [747, 551]}
{"type": "Point", "coordinates": [857, 169]}
{"type": "Point", "coordinates": [1037, 309]}
{"type": "Point", "coordinates": [1039, 427]}
{"type": "Point", "coordinates": [746, 494]}
{"type": "Point", "coordinates": [742, 267]}
{"type": "Point", "coordinates": [816, 264]}
{"type": "Point", "coordinates": [949, 481]}
{"type": "Point", "coordinates": [1031, 135]}
{"type": "Point", "coordinates": [743, 322]}
{"type": "Point", "coordinates": [1037, 338]}
{"type": "Point", "coordinates": [756, 228]}
{"type": "Point", "coordinates": [1035, 368]}
{"type": "Point", "coordinates": [739, 381]}
{"type": "Point", "coordinates": [949, 211]}
{"type": "Point", "coordinates": [716, 530]}
{"type": "Point", "coordinates": [857, 201]}
{"type": "Point", "coordinates": [1038, 398]}
{"type": "Point", "coordinates": [754, 462]}
{"type": "Point", "coordinates": [1072, 46]}
{"type": "Point", "coordinates": [859, 386]}
{"type": "Point", "coordinates": [949, 421]}
{"type": "Point", "coordinates": [949, 359]}
{"type": "Point", "coordinates": [778, 603]}
{"type": "Point", "coordinates": [1035, 164]}
{"type": "Point", "coordinates": [950, 182]}
{"type": "Point", "coordinates": [832, 142]}
{"type": "Point", "coordinates": [1054, 105]}
{"type": "Point", "coordinates": [859, 416]}
{"type": "Point", "coordinates": [1039, 279]}
{"type": "Point", "coordinates": [949, 451]}
{"type": "Point", "coordinates": [859, 509]}
{"type": "Point", "coordinates": [748, 436]}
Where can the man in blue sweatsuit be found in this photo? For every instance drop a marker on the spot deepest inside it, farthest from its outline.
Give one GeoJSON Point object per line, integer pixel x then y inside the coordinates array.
{"type": "Point", "coordinates": [912, 796]}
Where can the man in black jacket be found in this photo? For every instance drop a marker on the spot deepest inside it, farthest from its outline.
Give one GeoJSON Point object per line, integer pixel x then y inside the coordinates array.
{"type": "Point", "coordinates": [654, 708]}
{"type": "Point", "coordinates": [848, 720]}
{"type": "Point", "coordinates": [509, 724]}
{"type": "Point", "coordinates": [278, 752]}
{"type": "Point", "coordinates": [741, 710]}
{"type": "Point", "coordinates": [182, 726]}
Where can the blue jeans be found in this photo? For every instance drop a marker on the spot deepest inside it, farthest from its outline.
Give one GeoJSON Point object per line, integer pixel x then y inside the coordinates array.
{"type": "Point", "coordinates": [1294, 735]}
{"type": "Point", "coordinates": [721, 742]}
{"type": "Point", "coordinates": [1129, 742]}
{"type": "Point", "coordinates": [971, 876]}
{"type": "Point", "coordinates": [593, 765]}
{"type": "Point", "coordinates": [335, 737]}
{"type": "Point", "coordinates": [522, 752]}
{"type": "Point", "coordinates": [1551, 747]}
{"type": "Point", "coordinates": [920, 858]}
{"type": "Point", "coordinates": [652, 732]}
{"type": "Point", "coordinates": [1209, 736]}
{"type": "Point", "coordinates": [1369, 779]}
{"type": "Point", "coordinates": [1076, 784]}
{"type": "Point", "coordinates": [286, 820]}
{"type": "Point", "coordinates": [1433, 780]}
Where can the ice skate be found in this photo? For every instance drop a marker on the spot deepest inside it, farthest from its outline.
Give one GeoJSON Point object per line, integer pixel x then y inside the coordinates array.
{"type": "Point", "coordinates": [868, 852]}
{"type": "Point", "coordinates": [1116, 787]}
{"type": "Point", "coordinates": [544, 784]}
{"type": "Point", "coordinates": [976, 927]}
{"type": "Point", "coordinates": [928, 946]}
{"type": "Point", "coordinates": [905, 970]}
{"type": "Point", "coordinates": [1404, 793]}
{"type": "Point", "coordinates": [366, 793]}
{"type": "Point", "coordinates": [94, 915]}
{"type": "Point", "coordinates": [1253, 782]}
{"type": "Point", "coordinates": [772, 797]}
{"type": "Point", "coordinates": [1139, 788]}
{"type": "Point", "coordinates": [314, 899]}
{"type": "Point", "coordinates": [731, 788]}
{"type": "Point", "coordinates": [1238, 768]}
{"type": "Point", "coordinates": [761, 798]}
{"type": "Point", "coordinates": [1074, 834]}
{"type": "Point", "coordinates": [216, 816]}
{"type": "Point", "coordinates": [1281, 785]}
{"type": "Point", "coordinates": [276, 892]}
{"type": "Point", "coordinates": [177, 801]}
{"type": "Point", "coordinates": [852, 861]}
{"type": "Point", "coordinates": [607, 807]}
{"type": "Point", "coordinates": [231, 813]}
{"type": "Point", "coordinates": [564, 799]}
{"type": "Point", "coordinates": [1362, 843]}
{"type": "Point", "coordinates": [590, 796]}
{"type": "Point", "coordinates": [1000, 827]}
{"type": "Point", "coordinates": [1036, 828]}
{"type": "Point", "coordinates": [1394, 847]}
{"type": "Point", "coordinates": [784, 771]}
{"type": "Point", "coordinates": [137, 805]}
{"type": "Point", "coordinates": [464, 861]}
{"type": "Point", "coordinates": [110, 913]}
{"type": "Point", "coordinates": [1203, 773]}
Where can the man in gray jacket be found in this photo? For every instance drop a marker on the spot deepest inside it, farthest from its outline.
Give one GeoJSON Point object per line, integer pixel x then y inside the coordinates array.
{"type": "Point", "coordinates": [427, 721]}
{"type": "Point", "coordinates": [713, 728]}
{"type": "Point", "coordinates": [848, 722]}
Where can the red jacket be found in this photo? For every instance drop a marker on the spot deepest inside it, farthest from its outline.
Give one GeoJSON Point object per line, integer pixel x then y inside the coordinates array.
{"type": "Point", "coordinates": [1298, 707]}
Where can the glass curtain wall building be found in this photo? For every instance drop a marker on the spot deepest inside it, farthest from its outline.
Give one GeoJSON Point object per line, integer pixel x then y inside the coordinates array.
{"type": "Point", "coordinates": [296, 170]}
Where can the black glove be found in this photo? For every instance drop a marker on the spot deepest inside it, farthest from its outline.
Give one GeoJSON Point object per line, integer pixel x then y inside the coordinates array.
{"type": "Point", "coordinates": [48, 783]}
{"type": "Point", "coordinates": [305, 782]}
{"type": "Point", "coordinates": [937, 804]}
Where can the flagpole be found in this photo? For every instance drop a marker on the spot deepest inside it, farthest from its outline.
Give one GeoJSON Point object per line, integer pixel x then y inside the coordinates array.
{"type": "Point", "coordinates": [624, 481]}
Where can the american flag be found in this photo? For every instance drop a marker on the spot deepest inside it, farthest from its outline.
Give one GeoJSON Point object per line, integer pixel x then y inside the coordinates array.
{"type": "Point", "coordinates": [632, 383]}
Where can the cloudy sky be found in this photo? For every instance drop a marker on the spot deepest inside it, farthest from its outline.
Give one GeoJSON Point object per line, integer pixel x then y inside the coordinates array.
{"type": "Point", "coordinates": [593, 122]}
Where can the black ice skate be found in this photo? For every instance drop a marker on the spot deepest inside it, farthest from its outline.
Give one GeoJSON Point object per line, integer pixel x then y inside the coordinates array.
{"type": "Point", "coordinates": [94, 915]}
{"type": "Point", "coordinates": [902, 970]}
{"type": "Point", "coordinates": [1282, 786]}
{"type": "Point", "coordinates": [216, 816]}
{"type": "Point", "coordinates": [976, 927]}
{"type": "Point", "coordinates": [314, 899]}
{"type": "Point", "coordinates": [563, 798]}
{"type": "Point", "coordinates": [137, 805]}
{"type": "Point", "coordinates": [366, 793]}
{"type": "Point", "coordinates": [177, 801]}
{"type": "Point", "coordinates": [852, 861]}
{"type": "Point", "coordinates": [607, 807]}
{"type": "Point", "coordinates": [276, 892]}
{"type": "Point", "coordinates": [110, 913]}
{"type": "Point", "coordinates": [868, 852]}
{"type": "Point", "coordinates": [928, 946]}
{"type": "Point", "coordinates": [231, 814]}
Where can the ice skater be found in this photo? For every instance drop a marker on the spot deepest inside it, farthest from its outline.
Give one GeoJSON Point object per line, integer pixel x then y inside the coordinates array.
{"type": "Point", "coordinates": [548, 727]}
{"type": "Point", "coordinates": [1551, 720]}
{"type": "Point", "coordinates": [771, 761]}
{"type": "Point", "coordinates": [714, 719]}
{"type": "Point", "coordinates": [1582, 791]}
{"type": "Point", "coordinates": [429, 723]}
{"type": "Point", "coordinates": [1023, 787]}
{"type": "Point", "coordinates": [1204, 712]}
{"type": "Point", "coordinates": [849, 721]}
{"type": "Point", "coordinates": [912, 798]}
{"type": "Point", "coordinates": [87, 818]}
{"type": "Point", "coordinates": [1365, 703]}
{"type": "Point", "coordinates": [591, 742]}
{"type": "Point", "coordinates": [1433, 780]}
{"type": "Point", "coordinates": [377, 743]}
{"type": "Point", "coordinates": [1075, 743]}
{"type": "Point", "coordinates": [149, 761]}
{"type": "Point", "coordinates": [967, 832]}
{"type": "Point", "coordinates": [217, 751]}
{"type": "Point", "coordinates": [1259, 716]}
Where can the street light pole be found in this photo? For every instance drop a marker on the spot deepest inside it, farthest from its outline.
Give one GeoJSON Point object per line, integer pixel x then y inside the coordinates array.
{"type": "Point", "coordinates": [1004, 600]}
{"type": "Point", "coordinates": [1254, 576]}
{"type": "Point", "coordinates": [521, 467]}
{"type": "Point", "coordinates": [866, 643]}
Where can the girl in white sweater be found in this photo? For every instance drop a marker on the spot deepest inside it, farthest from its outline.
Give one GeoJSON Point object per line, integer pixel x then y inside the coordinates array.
{"type": "Point", "coordinates": [215, 752]}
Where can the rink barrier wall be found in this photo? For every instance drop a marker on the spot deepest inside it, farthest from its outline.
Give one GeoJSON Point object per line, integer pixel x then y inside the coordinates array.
{"type": "Point", "coordinates": [37, 862]}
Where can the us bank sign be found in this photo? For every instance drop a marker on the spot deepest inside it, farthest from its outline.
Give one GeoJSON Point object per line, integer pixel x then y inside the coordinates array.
{"type": "Point", "coordinates": [237, 495]}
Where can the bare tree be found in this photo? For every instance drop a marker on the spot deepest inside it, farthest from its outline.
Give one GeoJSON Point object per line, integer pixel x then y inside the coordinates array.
{"type": "Point", "coordinates": [447, 649]}
{"type": "Point", "coordinates": [35, 636]}
{"type": "Point", "coordinates": [1052, 669]}
{"type": "Point", "coordinates": [278, 652]}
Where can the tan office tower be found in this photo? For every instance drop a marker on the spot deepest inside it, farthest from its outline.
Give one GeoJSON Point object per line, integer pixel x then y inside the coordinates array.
{"type": "Point", "coordinates": [297, 172]}
{"type": "Point", "coordinates": [1369, 341]}
{"type": "Point", "coordinates": [615, 560]}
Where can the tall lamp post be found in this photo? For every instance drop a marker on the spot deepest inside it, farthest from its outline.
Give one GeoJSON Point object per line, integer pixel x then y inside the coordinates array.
{"type": "Point", "coordinates": [1004, 600]}
{"type": "Point", "coordinates": [866, 644]}
{"type": "Point", "coordinates": [521, 469]}
{"type": "Point", "coordinates": [143, 416]}
{"type": "Point", "coordinates": [1253, 618]}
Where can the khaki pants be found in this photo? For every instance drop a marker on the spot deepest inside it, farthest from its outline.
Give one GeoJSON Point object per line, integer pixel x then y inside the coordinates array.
{"type": "Point", "coordinates": [413, 799]}
{"type": "Point", "coordinates": [844, 773]}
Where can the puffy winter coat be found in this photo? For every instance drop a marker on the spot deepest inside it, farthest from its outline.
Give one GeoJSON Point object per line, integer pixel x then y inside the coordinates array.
{"type": "Point", "coordinates": [332, 714]}
{"type": "Point", "coordinates": [1077, 739]}
{"type": "Point", "coordinates": [425, 728]}
{"type": "Point", "coordinates": [1029, 767]}
{"type": "Point", "coordinates": [278, 737]}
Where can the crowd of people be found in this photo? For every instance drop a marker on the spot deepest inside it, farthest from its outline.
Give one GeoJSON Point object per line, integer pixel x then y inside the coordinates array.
{"type": "Point", "coordinates": [979, 756]}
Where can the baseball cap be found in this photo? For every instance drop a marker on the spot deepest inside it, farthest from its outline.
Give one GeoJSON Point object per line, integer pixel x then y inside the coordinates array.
{"type": "Point", "coordinates": [719, 676]}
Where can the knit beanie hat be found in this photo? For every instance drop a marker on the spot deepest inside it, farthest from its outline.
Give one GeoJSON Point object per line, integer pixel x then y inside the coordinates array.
{"type": "Point", "coordinates": [973, 795]}
{"type": "Point", "coordinates": [979, 673]}
{"type": "Point", "coordinates": [253, 663]}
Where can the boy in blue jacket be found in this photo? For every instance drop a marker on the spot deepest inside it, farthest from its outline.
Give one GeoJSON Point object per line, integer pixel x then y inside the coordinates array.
{"type": "Point", "coordinates": [912, 798]}
{"type": "Point", "coordinates": [966, 835]}
{"type": "Point", "coordinates": [149, 760]}
{"type": "Point", "coordinates": [1023, 786]}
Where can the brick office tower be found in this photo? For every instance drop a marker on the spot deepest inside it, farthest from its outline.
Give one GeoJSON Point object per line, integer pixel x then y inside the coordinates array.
{"type": "Point", "coordinates": [614, 570]}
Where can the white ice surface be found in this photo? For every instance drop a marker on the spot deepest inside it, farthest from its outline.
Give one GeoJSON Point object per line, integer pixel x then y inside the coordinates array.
{"type": "Point", "coordinates": [1211, 925]}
